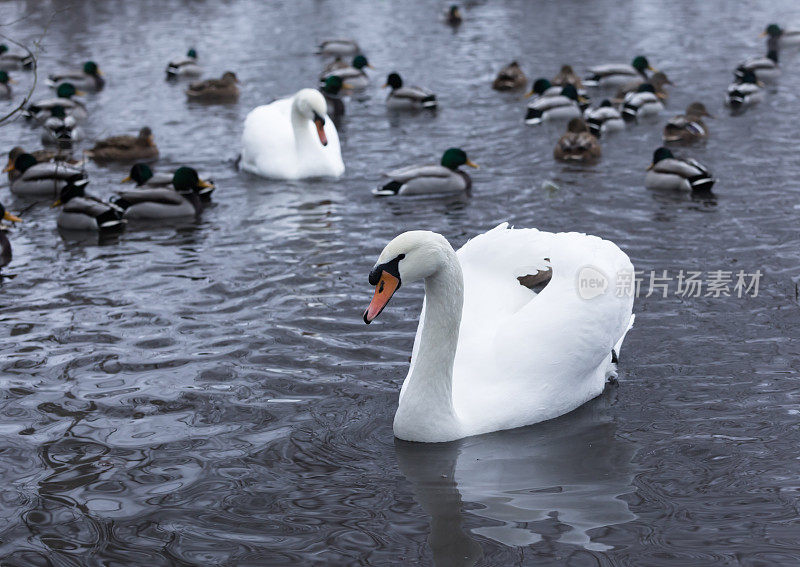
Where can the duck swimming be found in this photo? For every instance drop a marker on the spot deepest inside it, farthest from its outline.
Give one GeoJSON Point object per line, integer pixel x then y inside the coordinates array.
{"type": "Point", "coordinates": [688, 127]}
{"type": "Point", "coordinates": [339, 48]}
{"type": "Point", "coordinates": [125, 148]}
{"type": "Point", "coordinates": [745, 92]}
{"type": "Point", "coordinates": [643, 102]}
{"type": "Point", "coordinates": [604, 118]}
{"type": "Point", "coordinates": [431, 179]}
{"type": "Point", "coordinates": [181, 199]}
{"type": "Point", "coordinates": [616, 75]}
{"type": "Point", "coordinates": [510, 78]}
{"type": "Point", "coordinates": [41, 110]}
{"type": "Point", "coordinates": [60, 130]}
{"type": "Point", "coordinates": [670, 173]}
{"type": "Point", "coordinates": [82, 212]}
{"type": "Point", "coordinates": [29, 178]}
{"type": "Point", "coordinates": [765, 68]}
{"type": "Point", "coordinates": [292, 138]}
{"type": "Point", "coordinates": [220, 90]}
{"type": "Point", "coordinates": [565, 106]}
{"type": "Point", "coordinates": [785, 38]}
{"type": "Point", "coordinates": [354, 75]}
{"type": "Point", "coordinates": [491, 354]}
{"type": "Point", "coordinates": [186, 66]}
{"type": "Point", "coordinates": [89, 78]}
{"type": "Point", "coordinates": [566, 76]}
{"type": "Point", "coordinates": [10, 61]}
{"type": "Point", "coordinates": [330, 90]}
{"type": "Point", "coordinates": [578, 144]}
{"type": "Point", "coordinates": [407, 98]}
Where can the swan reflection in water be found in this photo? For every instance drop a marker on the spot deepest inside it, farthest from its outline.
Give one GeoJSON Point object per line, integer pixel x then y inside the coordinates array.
{"type": "Point", "coordinates": [573, 468]}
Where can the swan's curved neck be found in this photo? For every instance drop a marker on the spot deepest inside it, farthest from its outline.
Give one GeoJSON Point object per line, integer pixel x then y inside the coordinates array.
{"type": "Point", "coordinates": [426, 405]}
{"type": "Point", "coordinates": [302, 133]}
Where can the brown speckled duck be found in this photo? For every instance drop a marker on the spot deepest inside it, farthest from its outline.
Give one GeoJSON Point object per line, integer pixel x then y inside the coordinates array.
{"type": "Point", "coordinates": [509, 78]}
{"type": "Point", "coordinates": [688, 127]}
{"type": "Point", "coordinates": [223, 89]}
{"type": "Point", "coordinates": [126, 148]}
{"type": "Point", "coordinates": [578, 144]}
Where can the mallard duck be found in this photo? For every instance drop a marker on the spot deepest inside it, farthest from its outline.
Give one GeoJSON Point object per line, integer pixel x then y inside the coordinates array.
{"type": "Point", "coordinates": [745, 92]}
{"type": "Point", "coordinates": [41, 110]}
{"type": "Point", "coordinates": [577, 144]}
{"type": "Point", "coordinates": [41, 156]}
{"type": "Point", "coordinates": [89, 78]}
{"type": "Point", "coordinates": [561, 107]}
{"type": "Point", "coordinates": [355, 76]}
{"type": "Point", "coordinates": [566, 76]}
{"type": "Point", "coordinates": [603, 119]}
{"type": "Point", "coordinates": [60, 130]}
{"type": "Point", "coordinates": [540, 88]}
{"type": "Point", "coordinates": [688, 127]}
{"type": "Point", "coordinates": [659, 81]}
{"type": "Point", "coordinates": [407, 98]}
{"type": "Point", "coordinates": [184, 66]}
{"type": "Point", "coordinates": [292, 138]}
{"type": "Point", "coordinates": [85, 212]}
{"type": "Point", "coordinates": [430, 179]}
{"type": "Point", "coordinates": [181, 199]}
{"type": "Point", "coordinates": [330, 90]}
{"type": "Point", "coordinates": [10, 61]}
{"type": "Point", "coordinates": [5, 245]}
{"type": "Point", "coordinates": [223, 89]}
{"type": "Point", "coordinates": [335, 65]}
{"type": "Point", "coordinates": [786, 38]}
{"type": "Point", "coordinates": [509, 78]}
{"type": "Point", "coordinates": [765, 68]}
{"type": "Point", "coordinates": [616, 75]}
{"type": "Point", "coordinates": [126, 148]}
{"type": "Point", "coordinates": [5, 84]}
{"type": "Point", "coordinates": [28, 178]}
{"type": "Point", "coordinates": [339, 48]}
{"type": "Point", "coordinates": [453, 15]}
{"type": "Point", "coordinates": [643, 102]}
{"type": "Point", "coordinates": [143, 176]}
{"type": "Point", "coordinates": [671, 173]}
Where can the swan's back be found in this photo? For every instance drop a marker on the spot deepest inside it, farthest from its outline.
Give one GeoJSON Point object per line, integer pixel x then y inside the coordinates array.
{"type": "Point", "coordinates": [523, 357]}
{"type": "Point", "coordinates": [268, 138]}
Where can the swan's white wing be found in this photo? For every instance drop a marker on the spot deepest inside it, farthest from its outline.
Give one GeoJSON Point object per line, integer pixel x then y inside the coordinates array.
{"type": "Point", "coordinates": [268, 146]}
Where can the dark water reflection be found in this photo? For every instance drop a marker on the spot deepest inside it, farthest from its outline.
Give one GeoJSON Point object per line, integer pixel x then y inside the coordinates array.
{"type": "Point", "coordinates": [207, 394]}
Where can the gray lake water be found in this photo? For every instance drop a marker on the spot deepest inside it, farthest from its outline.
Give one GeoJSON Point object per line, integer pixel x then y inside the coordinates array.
{"type": "Point", "coordinates": [207, 394]}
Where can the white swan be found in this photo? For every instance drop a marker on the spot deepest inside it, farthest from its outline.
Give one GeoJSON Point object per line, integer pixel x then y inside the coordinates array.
{"type": "Point", "coordinates": [292, 138]}
{"type": "Point", "coordinates": [490, 354]}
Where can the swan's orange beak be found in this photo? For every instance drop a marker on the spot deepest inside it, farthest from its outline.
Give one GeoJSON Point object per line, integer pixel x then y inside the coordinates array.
{"type": "Point", "coordinates": [386, 287]}
{"type": "Point", "coordinates": [320, 124]}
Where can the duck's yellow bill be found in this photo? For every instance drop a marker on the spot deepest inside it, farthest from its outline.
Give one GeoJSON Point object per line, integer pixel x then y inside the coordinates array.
{"type": "Point", "coordinates": [9, 167]}
{"type": "Point", "coordinates": [128, 179]}
{"type": "Point", "coordinates": [349, 86]}
{"type": "Point", "coordinates": [651, 166]}
{"type": "Point", "coordinates": [386, 287]}
{"type": "Point", "coordinates": [13, 218]}
{"type": "Point", "coordinates": [80, 93]}
{"type": "Point", "coordinates": [205, 184]}
{"type": "Point", "coordinates": [651, 68]}
{"type": "Point", "coordinates": [529, 94]}
{"type": "Point", "coordinates": [472, 164]}
{"type": "Point", "coordinates": [56, 203]}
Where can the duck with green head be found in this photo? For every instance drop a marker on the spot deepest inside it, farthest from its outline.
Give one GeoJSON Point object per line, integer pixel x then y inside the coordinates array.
{"type": "Point", "coordinates": [29, 178]}
{"type": "Point", "coordinates": [659, 80]}
{"type": "Point", "coordinates": [184, 196]}
{"type": "Point", "coordinates": [186, 66]}
{"type": "Point", "coordinates": [5, 84]}
{"type": "Point", "coordinates": [354, 76]}
{"type": "Point", "coordinates": [407, 98]}
{"type": "Point", "coordinates": [667, 172]}
{"type": "Point", "coordinates": [143, 177]}
{"type": "Point", "coordinates": [330, 90]}
{"type": "Point", "coordinates": [430, 179]}
{"type": "Point", "coordinates": [785, 38]}
{"type": "Point", "coordinates": [453, 15]}
{"type": "Point", "coordinates": [542, 87]}
{"type": "Point", "coordinates": [11, 61]}
{"type": "Point", "coordinates": [565, 106]}
{"type": "Point", "coordinates": [41, 110]}
{"type": "Point", "coordinates": [88, 78]}
{"type": "Point", "coordinates": [616, 75]}
{"type": "Point", "coordinates": [86, 213]}
{"type": "Point", "coordinates": [688, 127]}
{"type": "Point", "coordinates": [744, 92]}
{"type": "Point", "coordinates": [765, 68]}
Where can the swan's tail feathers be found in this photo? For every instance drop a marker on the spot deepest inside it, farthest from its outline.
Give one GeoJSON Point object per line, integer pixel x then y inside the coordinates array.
{"type": "Point", "coordinates": [618, 346]}
{"type": "Point", "coordinates": [391, 188]}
